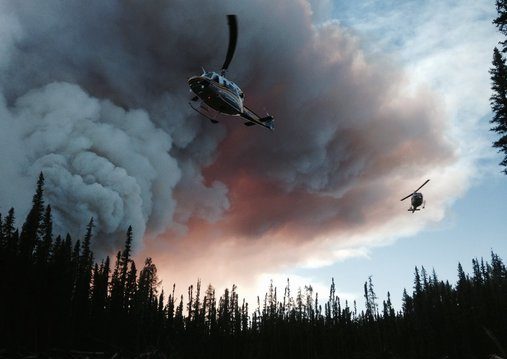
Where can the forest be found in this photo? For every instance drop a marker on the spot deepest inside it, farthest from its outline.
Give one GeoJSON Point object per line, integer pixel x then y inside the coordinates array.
{"type": "Point", "coordinates": [56, 300]}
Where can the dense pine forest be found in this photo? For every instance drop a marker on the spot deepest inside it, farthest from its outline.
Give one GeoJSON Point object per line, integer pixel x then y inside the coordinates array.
{"type": "Point", "coordinates": [55, 298]}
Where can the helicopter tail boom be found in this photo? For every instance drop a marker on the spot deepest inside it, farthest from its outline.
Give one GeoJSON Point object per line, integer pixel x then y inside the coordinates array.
{"type": "Point", "coordinates": [267, 121]}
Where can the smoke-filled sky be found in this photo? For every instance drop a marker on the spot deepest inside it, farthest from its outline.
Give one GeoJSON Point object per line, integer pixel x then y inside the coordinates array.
{"type": "Point", "coordinates": [370, 100]}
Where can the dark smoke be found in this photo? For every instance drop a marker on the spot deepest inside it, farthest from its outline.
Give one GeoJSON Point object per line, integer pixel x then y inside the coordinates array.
{"type": "Point", "coordinates": [94, 95]}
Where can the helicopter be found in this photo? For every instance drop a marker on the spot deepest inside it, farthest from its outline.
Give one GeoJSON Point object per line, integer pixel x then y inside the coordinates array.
{"type": "Point", "coordinates": [416, 199]}
{"type": "Point", "coordinates": [218, 95]}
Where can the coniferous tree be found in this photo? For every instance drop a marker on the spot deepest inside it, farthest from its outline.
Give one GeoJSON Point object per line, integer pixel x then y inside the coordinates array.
{"type": "Point", "coordinates": [211, 315]}
{"type": "Point", "coordinates": [125, 257]}
{"type": "Point", "coordinates": [100, 282]}
{"type": "Point", "coordinates": [371, 299]}
{"type": "Point", "coordinates": [84, 262]}
{"type": "Point", "coordinates": [30, 229]}
{"type": "Point", "coordinates": [501, 20]}
{"type": "Point", "coordinates": [406, 303]}
{"type": "Point", "coordinates": [86, 255]}
{"type": "Point", "coordinates": [417, 282]}
{"type": "Point", "coordinates": [8, 231]}
{"type": "Point", "coordinates": [499, 103]}
{"type": "Point", "coordinates": [388, 310]}
{"type": "Point", "coordinates": [43, 248]}
{"type": "Point", "coordinates": [498, 74]}
{"type": "Point", "coordinates": [190, 303]}
{"type": "Point", "coordinates": [116, 289]}
{"type": "Point", "coordinates": [130, 288]}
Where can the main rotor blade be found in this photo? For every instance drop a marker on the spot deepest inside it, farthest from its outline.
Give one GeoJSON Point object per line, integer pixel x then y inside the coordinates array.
{"type": "Point", "coordinates": [404, 198]}
{"type": "Point", "coordinates": [233, 37]}
{"type": "Point", "coordinates": [422, 185]}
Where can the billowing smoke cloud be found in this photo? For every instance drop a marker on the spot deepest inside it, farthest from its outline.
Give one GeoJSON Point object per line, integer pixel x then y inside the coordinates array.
{"type": "Point", "coordinates": [95, 97]}
{"type": "Point", "coordinates": [97, 94]}
{"type": "Point", "coordinates": [98, 160]}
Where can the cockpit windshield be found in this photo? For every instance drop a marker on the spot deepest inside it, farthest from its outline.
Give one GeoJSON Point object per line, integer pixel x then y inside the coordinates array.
{"type": "Point", "coordinates": [212, 76]}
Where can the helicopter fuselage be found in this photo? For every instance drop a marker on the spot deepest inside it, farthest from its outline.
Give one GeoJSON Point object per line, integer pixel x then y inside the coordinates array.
{"type": "Point", "coordinates": [416, 200]}
{"type": "Point", "coordinates": [218, 93]}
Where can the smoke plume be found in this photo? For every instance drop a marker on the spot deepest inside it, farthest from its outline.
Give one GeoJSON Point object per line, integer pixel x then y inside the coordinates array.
{"type": "Point", "coordinates": [95, 97]}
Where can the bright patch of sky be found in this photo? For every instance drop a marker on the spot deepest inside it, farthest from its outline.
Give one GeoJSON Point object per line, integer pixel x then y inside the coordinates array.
{"type": "Point", "coordinates": [446, 46]}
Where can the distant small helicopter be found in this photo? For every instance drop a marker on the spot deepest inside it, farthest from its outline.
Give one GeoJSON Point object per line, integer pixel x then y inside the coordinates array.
{"type": "Point", "coordinates": [222, 95]}
{"type": "Point", "coordinates": [417, 199]}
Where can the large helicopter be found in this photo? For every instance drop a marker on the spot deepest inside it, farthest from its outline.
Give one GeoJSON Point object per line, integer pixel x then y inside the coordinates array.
{"type": "Point", "coordinates": [215, 92]}
{"type": "Point", "coordinates": [416, 199]}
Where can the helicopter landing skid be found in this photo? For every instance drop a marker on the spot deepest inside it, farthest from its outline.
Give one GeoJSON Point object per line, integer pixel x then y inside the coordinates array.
{"type": "Point", "coordinates": [197, 109]}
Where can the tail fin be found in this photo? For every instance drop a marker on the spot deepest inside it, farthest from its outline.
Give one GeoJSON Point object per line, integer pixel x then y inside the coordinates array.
{"type": "Point", "coordinates": [268, 121]}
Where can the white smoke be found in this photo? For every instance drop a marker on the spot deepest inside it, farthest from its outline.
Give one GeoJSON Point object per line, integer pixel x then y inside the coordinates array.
{"type": "Point", "coordinates": [98, 160]}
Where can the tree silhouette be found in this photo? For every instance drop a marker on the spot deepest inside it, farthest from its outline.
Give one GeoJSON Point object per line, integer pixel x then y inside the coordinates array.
{"type": "Point", "coordinates": [498, 74]}
{"type": "Point", "coordinates": [31, 227]}
{"type": "Point", "coordinates": [498, 102]}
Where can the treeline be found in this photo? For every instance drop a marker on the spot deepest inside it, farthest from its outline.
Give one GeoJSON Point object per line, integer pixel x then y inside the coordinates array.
{"type": "Point", "coordinates": [54, 295]}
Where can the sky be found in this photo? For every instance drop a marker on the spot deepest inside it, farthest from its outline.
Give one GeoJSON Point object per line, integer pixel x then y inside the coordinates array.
{"type": "Point", "coordinates": [429, 46]}
{"type": "Point", "coordinates": [371, 98]}
{"type": "Point", "coordinates": [445, 46]}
